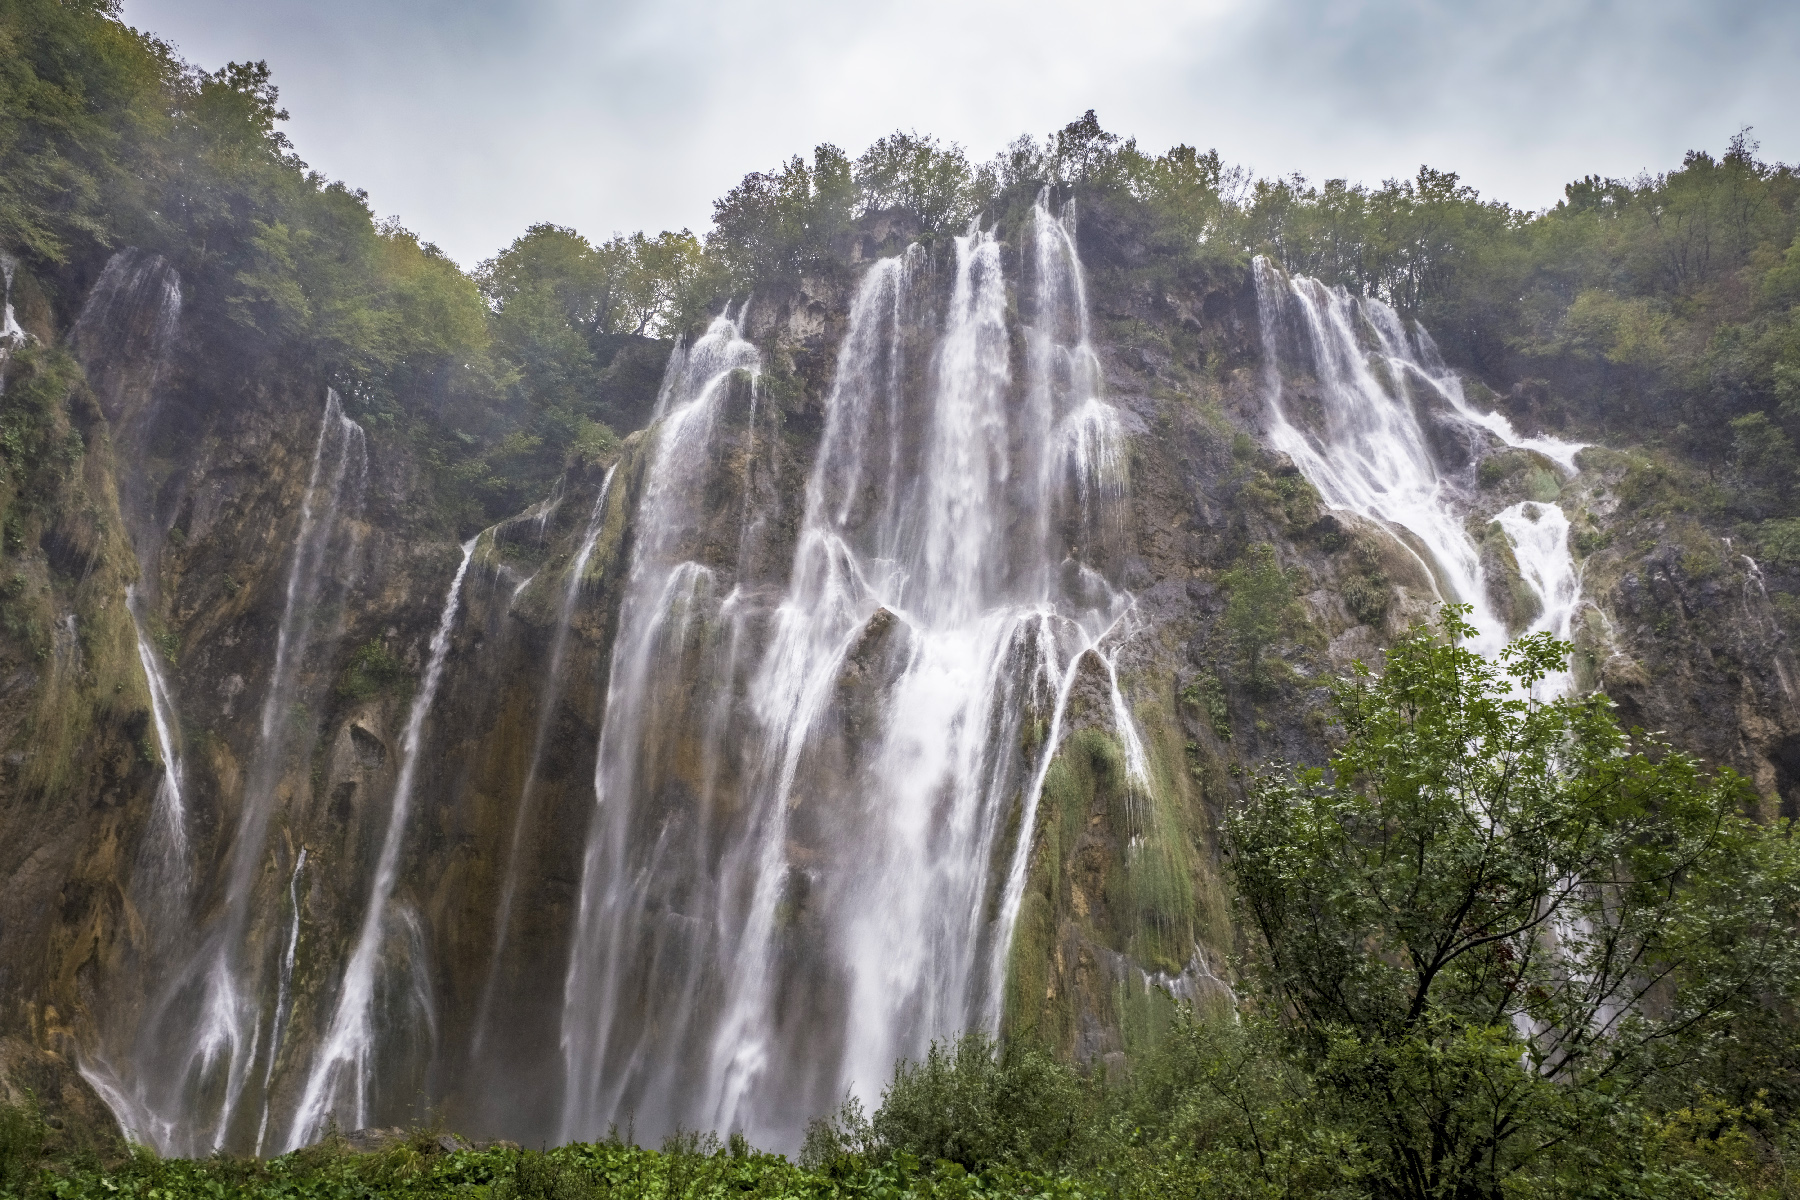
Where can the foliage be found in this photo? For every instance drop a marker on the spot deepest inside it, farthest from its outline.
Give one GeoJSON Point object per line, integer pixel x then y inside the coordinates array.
{"type": "Point", "coordinates": [1494, 919]}
{"type": "Point", "coordinates": [372, 670]}
{"type": "Point", "coordinates": [428, 1164]}
{"type": "Point", "coordinates": [1207, 695]}
{"type": "Point", "coordinates": [77, 91]}
{"type": "Point", "coordinates": [973, 1104]}
{"type": "Point", "coordinates": [920, 176]}
{"type": "Point", "coordinates": [1259, 606]}
{"type": "Point", "coordinates": [23, 1134]}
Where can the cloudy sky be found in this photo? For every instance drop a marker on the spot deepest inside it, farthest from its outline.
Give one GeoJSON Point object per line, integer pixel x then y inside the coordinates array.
{"type": "Point", "coordinates": [471, 119]}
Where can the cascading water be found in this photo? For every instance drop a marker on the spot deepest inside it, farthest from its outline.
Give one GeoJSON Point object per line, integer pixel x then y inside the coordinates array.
{"type": "Point", "coordinates": [12, 334]}
{"type": "Point", "coordinates": [167, 839]}
{"type": "Point", "coordinates": [197, 1053]}
{"type": "Point", "coordinates": [559, 645]}
{"type": "Point", "coordinates": [124, 335]}
{"type": "Point", "coordinates": [627, 908]}
{"type": "Point", "coordinates": [284, 994]}
{"type": "Point", "coordinates": [340, 1077]}
{"type": "Point", "coordinates": [1368, 448]}
{"type": "Point", "coordinates": [744, 954]}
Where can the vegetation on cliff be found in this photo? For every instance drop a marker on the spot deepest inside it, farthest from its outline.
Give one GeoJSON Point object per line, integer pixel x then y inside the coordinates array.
{"type": "Point", "coordinates": [1662, 307]}
{"type": "Point", "coordinates": [1577, 981]}
{"type": "Point", "coordinates": [1560, 964]}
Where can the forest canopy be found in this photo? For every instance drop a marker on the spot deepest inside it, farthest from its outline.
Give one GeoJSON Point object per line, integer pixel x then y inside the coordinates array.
{"type": "Point", "coordinates": [1664, 306]}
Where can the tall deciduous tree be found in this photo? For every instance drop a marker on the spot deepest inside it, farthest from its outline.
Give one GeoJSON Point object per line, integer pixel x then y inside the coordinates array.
{"type": "Point", "coordinates": [1492, 918]}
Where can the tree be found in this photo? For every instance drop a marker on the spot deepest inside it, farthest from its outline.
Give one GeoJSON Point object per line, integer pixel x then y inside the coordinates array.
{"type": "Point", "coordinates": [919, 175]}
{"type": "Point", "coordinates": [1496, 920]}
{"type": "Point", "coordinates": [1258, 605]}
{"type": "Point", "coordinates": [80, 96]}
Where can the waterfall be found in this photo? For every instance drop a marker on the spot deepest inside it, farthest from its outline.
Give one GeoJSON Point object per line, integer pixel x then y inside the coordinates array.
{"type": "Point", "coordinates": [124, 335]}
{"type": "Point", "coordinates": [12, 334]}
{"type": "Point", "coordinates": [669, 608]}
{"type": "Point", "coordinates": [343, 1058]}
{"type": "Point", "coordinates": [284, 993]}
{"type": "Point", "coordinates": [196, 1053]}
{"type": "Point", "coordinates": [559, 644]}
{"type": "Point", "coordinates": [168, 833]}
{"type": "Point", "coordinates": [744, 956]}
{"type": "Point", "coordinates": [1369, 448]}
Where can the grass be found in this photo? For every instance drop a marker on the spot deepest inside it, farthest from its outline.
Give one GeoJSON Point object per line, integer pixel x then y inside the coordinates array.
{"type": "Point", "coordinates": [430, 1164]}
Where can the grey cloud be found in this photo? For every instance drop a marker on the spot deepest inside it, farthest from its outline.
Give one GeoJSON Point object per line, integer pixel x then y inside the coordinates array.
{"type": "Point", "coordinates": [471, 119]}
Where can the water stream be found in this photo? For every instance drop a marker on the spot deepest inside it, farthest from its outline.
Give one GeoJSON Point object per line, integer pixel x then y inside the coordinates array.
{"type": "Point", "coordinates": [194, 1066]}
{"type": "Point", "coordinates": [1373, 443]}
{"type": "Point", "coordinates": [552, 695]}
{"type": "Point", "coordinates": [12, 334]}
{"type": "Point", "coordinates": [339, 1078]}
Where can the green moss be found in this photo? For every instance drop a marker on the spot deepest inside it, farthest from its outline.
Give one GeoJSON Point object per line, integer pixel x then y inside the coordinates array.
{"type": "Point", "coordinates": [1206, 695]}
{"type": "Point", "coordinates": [372, 671]}
{"type": "Point", "coordinates": [1284, 497]}
{"type": "Point", "coordinates": [1523, 605]}
{"type": "Point", "coordinates": [1031, 1012]}
{"type": "Point", "coordinates": [1542, 485]}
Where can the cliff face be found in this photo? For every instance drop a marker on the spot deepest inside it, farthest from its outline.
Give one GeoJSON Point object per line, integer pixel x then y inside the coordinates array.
{"type": "Point", "coordinates": [890, 681]}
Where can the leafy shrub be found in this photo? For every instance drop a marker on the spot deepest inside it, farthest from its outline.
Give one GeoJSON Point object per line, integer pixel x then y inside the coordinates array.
{"type": "Point", "coordinates": [372, 670]}
{"type": "Point", "coordinates": [971, 1104]}
{"type": "Point", "coordinates": [1207, 694]}
{"type": "Point", "coordinates": [22, 1136]}
{"type": "Point", "coordinates": [1259, 606]}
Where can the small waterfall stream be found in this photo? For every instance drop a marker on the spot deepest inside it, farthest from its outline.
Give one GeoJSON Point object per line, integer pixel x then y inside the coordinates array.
{"type": "Point", "coordinates": [195, 1064]}
{"type": "Point", "coordinates": [124, 336]}
{"type": "Point", "coordinates": [559, 645]}
{"type": "Point", "coordinates": [340, 1076]}
{"type": "Point", "coordinates": [1369, 448]}
{"type": "Point", "coordinates": [12, 334]}
{"type": "Point", "coordinates": [168, 838]}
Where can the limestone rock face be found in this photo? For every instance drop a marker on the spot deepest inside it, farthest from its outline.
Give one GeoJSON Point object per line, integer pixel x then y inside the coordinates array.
{"type": "Point", "coordinates": [297, 831]}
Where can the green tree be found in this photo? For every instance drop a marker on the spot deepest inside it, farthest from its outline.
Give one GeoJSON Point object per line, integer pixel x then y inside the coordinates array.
{"type": "Point", "coordinates": [919, 175]}
{"type": "Point", "coordinates": [81, 96]}
{"type": "Point", "coordinates": [1258, 606]}
{"type": "Point", "coordinates": [1494, 921]}
{"type": "Point", "coordinates": [774, 225]}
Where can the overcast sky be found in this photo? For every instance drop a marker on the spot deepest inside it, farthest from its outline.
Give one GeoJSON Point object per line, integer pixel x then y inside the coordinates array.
{"type": "Point", "coordinates": [471, 119]}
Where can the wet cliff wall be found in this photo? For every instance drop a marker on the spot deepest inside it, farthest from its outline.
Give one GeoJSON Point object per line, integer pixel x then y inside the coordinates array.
{"type": "Point", "coordinates": [296, 589]}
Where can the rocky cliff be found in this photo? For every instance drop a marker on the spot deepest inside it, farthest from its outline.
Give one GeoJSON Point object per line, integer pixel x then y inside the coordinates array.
{"type": "Point", "coordinates": [888, 680]}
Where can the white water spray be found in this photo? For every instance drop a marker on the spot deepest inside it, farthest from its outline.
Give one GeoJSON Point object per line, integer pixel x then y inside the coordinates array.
{"type": "Point", "coordinates": [876, 746]}
{"type": "Point", "coordinates": [1369, 450]}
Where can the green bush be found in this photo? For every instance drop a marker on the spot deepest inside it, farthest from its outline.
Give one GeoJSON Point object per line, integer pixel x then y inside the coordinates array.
{"type": "Point", "coordinates": [976, 1105]}
{"type": "Point", "coordinates": [1259, 607]}
{"type": "Point", "coordinates": [22, 1137]}
{"type": "Point", "coordinates": [372, 670]}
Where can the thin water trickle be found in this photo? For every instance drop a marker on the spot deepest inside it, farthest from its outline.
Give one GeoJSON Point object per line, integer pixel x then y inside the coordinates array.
{"type": "Point", "coordinates": [169, 814]}
{"type": "Point", "coordinates": [284, 994]}
{"type": "Point", "coordinates": [338, 1081]}
{"type": "Point", "coordinates": [201, 1055]}
{"type": "Point", "coordinates": [12, 334]}
{"type": "Point", "coordinates": [551, 697]}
